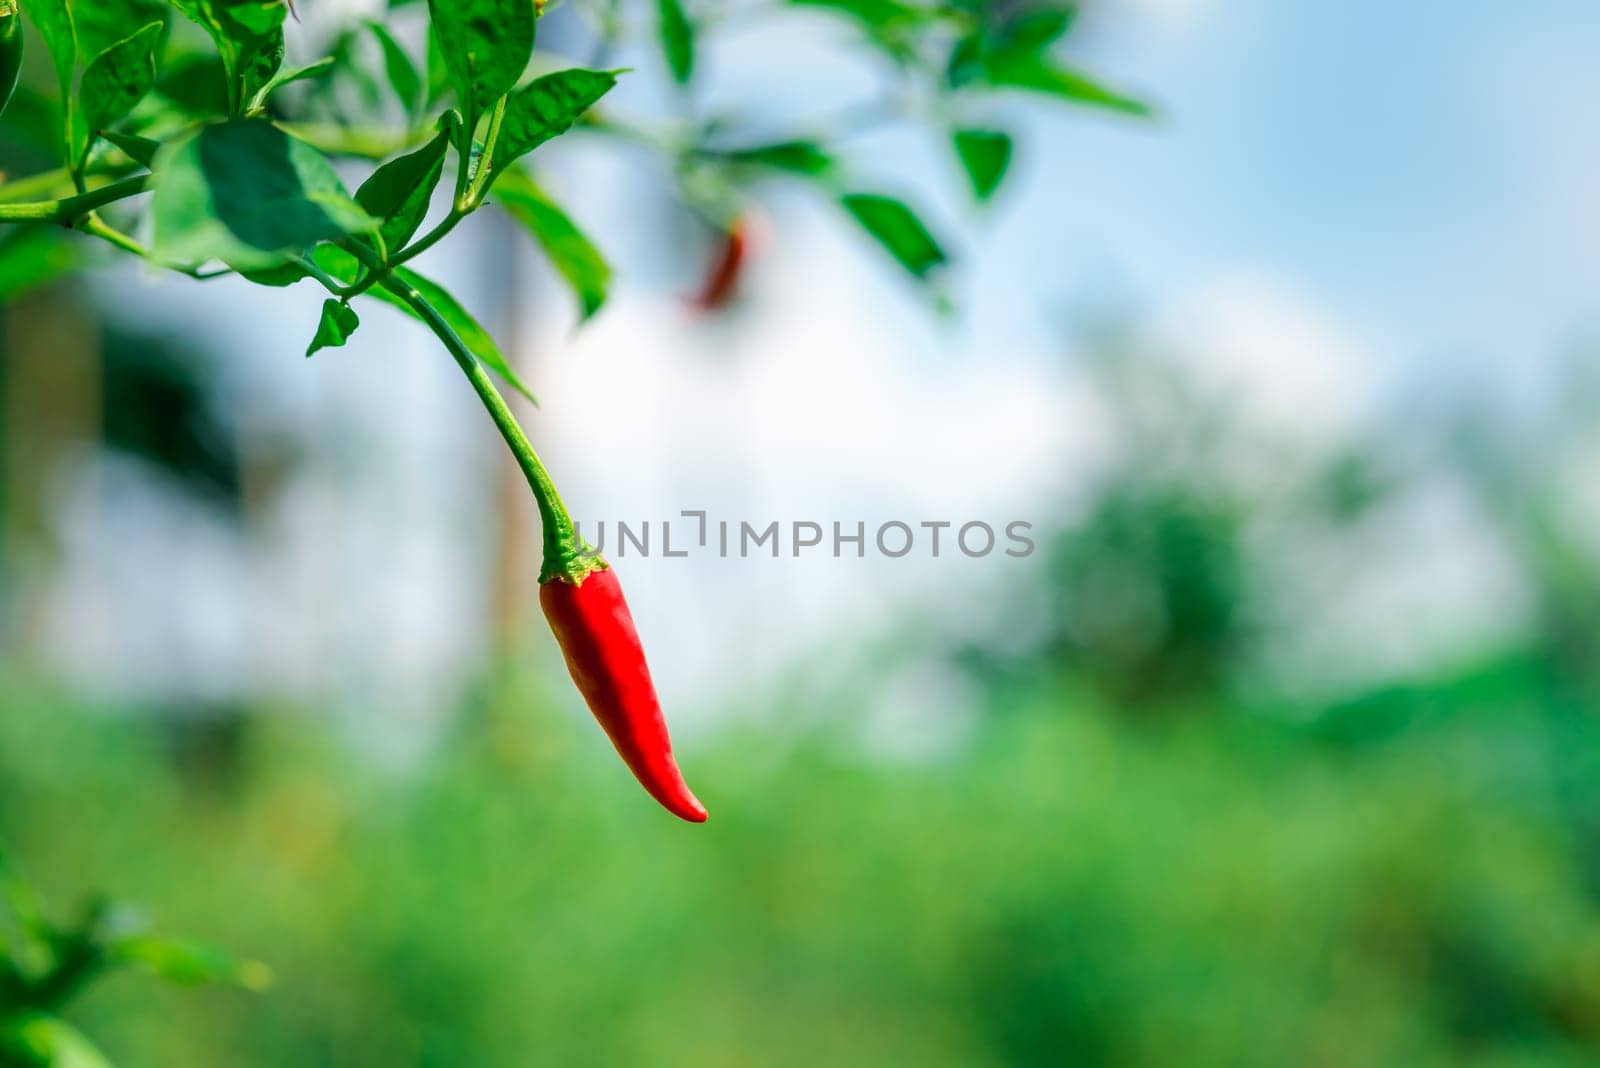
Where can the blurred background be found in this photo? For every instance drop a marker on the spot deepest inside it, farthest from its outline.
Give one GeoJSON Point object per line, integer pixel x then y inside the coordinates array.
{"type": "Point", "coordinates": [1281, 748]}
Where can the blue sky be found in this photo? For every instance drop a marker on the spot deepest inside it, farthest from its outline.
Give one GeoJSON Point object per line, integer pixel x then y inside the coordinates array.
{"type": "Point", "coordinates": [1424, 173]}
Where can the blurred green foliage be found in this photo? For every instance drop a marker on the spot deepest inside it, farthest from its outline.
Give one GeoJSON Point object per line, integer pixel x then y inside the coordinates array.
{"type": "Point", "coordinates": [1075, 886]}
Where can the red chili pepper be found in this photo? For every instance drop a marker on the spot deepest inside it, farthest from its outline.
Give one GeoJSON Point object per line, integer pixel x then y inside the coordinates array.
{"type": "Point", "coordinates": [583, 603]}
{"type": "Point", "coordinates": [724, 274]}
{"type": "Point", "coordinates": [592, 623]}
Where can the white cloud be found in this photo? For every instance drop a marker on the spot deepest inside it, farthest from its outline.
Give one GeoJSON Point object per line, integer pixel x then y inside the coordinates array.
{"type": "Point", "coordinates": [1257, 343]}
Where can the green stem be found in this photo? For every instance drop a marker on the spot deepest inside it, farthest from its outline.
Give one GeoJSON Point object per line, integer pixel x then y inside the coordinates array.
{"type": "Point", "coordinates": [326, 280]}
{"type": "Point", "coordinates": [71, 208]}
{"type": "Point", "coordinates": [379, 268]}
{"type": "Point", "coordinates": [464, 161]}
{"type": "Point", "coordinates": [76, 166]}
{"type": "Point", "coordinates": [94, 225]}
{"type": "Point", "coordinates": [486, 161]}
{"type": "Point", "coordinates": [429, 239]}
{"type": "Point", "coordinates": [566, 556]}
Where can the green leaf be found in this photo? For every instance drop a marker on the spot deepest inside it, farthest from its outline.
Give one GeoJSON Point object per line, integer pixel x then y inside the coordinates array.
{"type": "Point", "coordinates": [53, 19]}
{"type": "Point", "coordinates": [966, 61]}
{"type": "Point", "coordinates": [258, 17]}
{"type": "Point", "coordinates": [13, 46]}
{"type": "Point", "coordinates": [284, 274]}
{"type": "Point", "coordinates": [339, 321]}
{"type": "Point", "coordinates": [260, 57]}
{"type": "Point", "coordinates": [1036, 30]}
{"type": "Point", "coordinates": [187, 964]}
{"type": "Point", "coordinates": [338, 262]}
{"type": "Point", "coordinates": [399, 191]}
{"type": "Point", "coordinates": [288, 75]}
{"type": "Point", "coordinates": [677, 40]}
{"type": "Point", "coordinates": [32, 123]}
{"type": "Point", "coordinates": [1037, 74]}
{"type": "Point", "coordinates": [898, 229]}
{"type": "Point", "coordinates": [876, 15]}
{"type": "Point", "coordinates": [32, 256]}
{"type": "Point", "coordinates": [198, 11]}
{"type": "Point", "coordinates": [571, 252]}
{"type": "Point", "coordinates": [249, 38]}
{"type": "Point", "coordinates": [437, 71]}
{"type": "Point", "coordinates": [486, 44]}
{"type": "Point", "coordinates": [198, 85]}
{"type": "Point", "coordinates": [985, 155]}
{"type": "Point", "coordinates": [547, 107]}
{"type": "Point", "coordinates": [798, 157]}
{"type": "Point", "coordinates": [403, 76]}
{"type": "Point", "coordinates": [1017, 43]}
{"type": "Point", "coordinates": [353, 71]}
{"type": "Point", "coordinates": [100, 24]}
{"type": "Point", "coordinates": [30, 1039]}
{"type": "Point", "coordinates": [246, 193]}
{"type": "Point", "coordinates": [142, 150]}
{"type": "Point", "coordinates": [119, 77]}
{"type": "Point", "coordinates": [474, 336]}
{"type": "Point", "coordinates": [896, 28]}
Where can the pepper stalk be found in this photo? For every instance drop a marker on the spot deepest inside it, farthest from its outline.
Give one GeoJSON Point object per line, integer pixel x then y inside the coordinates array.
{"type": "Point", "coordinates": [567, 556]}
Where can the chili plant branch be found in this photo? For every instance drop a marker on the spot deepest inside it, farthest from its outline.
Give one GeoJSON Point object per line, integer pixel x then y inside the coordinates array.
{"type": "Point", "coordinates": [327, 281]}
{"type": "Point", "coordinates": [561, 543]}
{"type": "Point", "coordinates": [431, 238]}
{"type": "Point", "coordinates": [475, 189]}
{"type": "Point", "coordinates": [95, 226]}
{"type": "Point", "coordinates": [69, 209]}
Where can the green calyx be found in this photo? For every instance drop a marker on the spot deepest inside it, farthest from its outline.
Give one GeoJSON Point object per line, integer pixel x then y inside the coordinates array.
{"type": "Point", "coordinates": [571, 563]}
{"type": "Point", "coordinates": [567, 556]}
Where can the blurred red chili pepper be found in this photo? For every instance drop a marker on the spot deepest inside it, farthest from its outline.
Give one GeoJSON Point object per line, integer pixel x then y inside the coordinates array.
{"type": "Point", "coordinates": [592, 623]}
{"type": "Point", "coordinates": [723, 277]}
